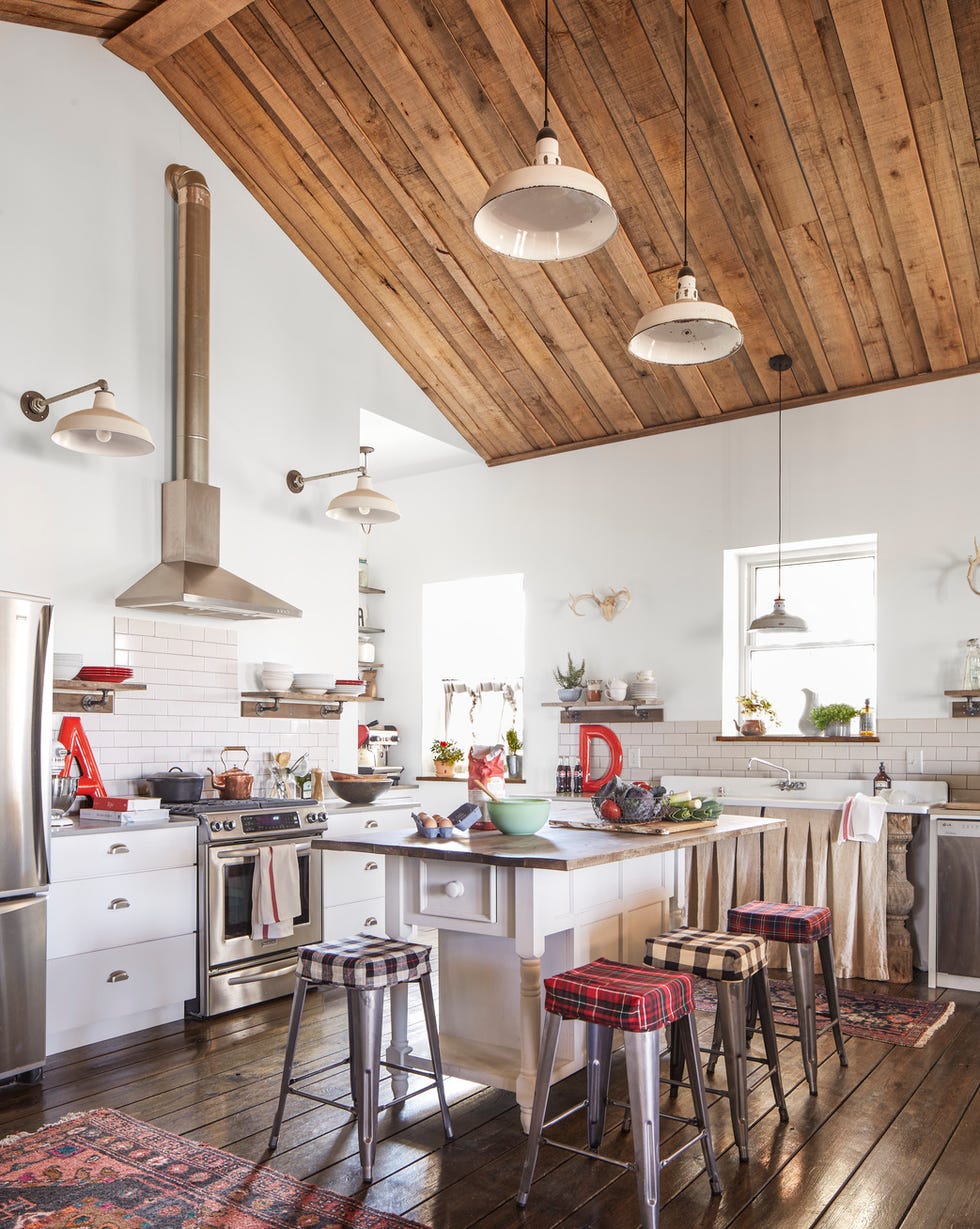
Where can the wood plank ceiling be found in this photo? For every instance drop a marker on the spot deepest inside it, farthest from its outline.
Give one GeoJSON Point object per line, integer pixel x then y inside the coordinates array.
{"type": "Point", "coordinates": [834, 186]}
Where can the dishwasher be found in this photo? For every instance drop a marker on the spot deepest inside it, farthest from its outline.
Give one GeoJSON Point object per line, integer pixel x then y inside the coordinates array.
{"type": "Point", "coordinates": [954, 900]}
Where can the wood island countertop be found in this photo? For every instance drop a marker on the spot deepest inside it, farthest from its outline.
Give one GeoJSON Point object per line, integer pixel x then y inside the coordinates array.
{"type": "Point", "coordinates": [554, 849]}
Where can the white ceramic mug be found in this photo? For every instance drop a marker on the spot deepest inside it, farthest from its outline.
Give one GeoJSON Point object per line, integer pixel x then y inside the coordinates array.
{"type": "Point", "coordinates": [615, 690]}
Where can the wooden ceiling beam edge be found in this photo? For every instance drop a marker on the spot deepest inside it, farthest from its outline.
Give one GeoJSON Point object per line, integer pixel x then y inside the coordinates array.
{"type": "Point", "coordinates": [169, 28]}
{"type": "Point", "coordinates": [89, 21]}
{"type": "Point", "coordinates": [841, 394]}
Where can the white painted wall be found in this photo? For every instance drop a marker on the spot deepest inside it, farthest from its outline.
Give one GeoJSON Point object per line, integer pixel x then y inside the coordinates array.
{"type": "Point", "coordinates": [86, 249]}
{"type": "Point", "coordinates": [655, 515]}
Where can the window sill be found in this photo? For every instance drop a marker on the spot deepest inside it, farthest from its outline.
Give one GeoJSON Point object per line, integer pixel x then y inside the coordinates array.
{"type": "Point", "coordinates": [792, 738]}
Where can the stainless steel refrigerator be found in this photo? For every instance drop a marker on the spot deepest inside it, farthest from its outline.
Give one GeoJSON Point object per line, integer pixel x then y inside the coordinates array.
{"type": "Point", "coordinates": [25, 794]}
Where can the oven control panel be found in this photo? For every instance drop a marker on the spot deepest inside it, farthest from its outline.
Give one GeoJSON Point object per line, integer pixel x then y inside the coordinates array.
{"type": "Point", "coordinates": [270, 821]}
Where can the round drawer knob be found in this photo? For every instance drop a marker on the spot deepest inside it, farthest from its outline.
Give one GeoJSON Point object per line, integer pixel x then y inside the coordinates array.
{"type": "Point", "coordinates": [454, 888]}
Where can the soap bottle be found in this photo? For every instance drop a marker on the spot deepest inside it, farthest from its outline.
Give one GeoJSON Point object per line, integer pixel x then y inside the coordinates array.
{"type": "Point", "coordinates": [866, 722]}
{"type": "Point", "coordinates": [882, 780]}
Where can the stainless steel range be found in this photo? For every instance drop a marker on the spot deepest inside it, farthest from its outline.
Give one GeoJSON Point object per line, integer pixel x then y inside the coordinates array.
{"type": "Point", "coordinates": [233, 969]}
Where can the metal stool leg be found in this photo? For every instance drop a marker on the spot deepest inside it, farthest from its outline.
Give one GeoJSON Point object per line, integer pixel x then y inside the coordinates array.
{"type": "Point", "coordinates": [354, 1059]}
{"type": "Point", "coordinates": [826, 948]}
{"type": "Point", "coordinates": [542, 1086]}
{"type": "Point", "coordinates": [643, 1080]}
{"type": "Point", "coordinates": [676, 1061]}
{"type": "Point", "coordinates": [432, 1029]}
{"type": "Point", "coordinates": [368, 1006]}
{"type": "Point", "coordinates": [715, 1051]}
{"type": "Point", "coordinates": [686, 1029]}
{"type": "Point", "coordinates": [731, 1010]}
{"type": "Point", "coordinates": [801, 960]}
{"type": "Point", "coordinates": [598, 1045]}
{"type": "Point", "coordinates": [295, 1015]}
{"type": "Point", "coordinates": [759, 989]}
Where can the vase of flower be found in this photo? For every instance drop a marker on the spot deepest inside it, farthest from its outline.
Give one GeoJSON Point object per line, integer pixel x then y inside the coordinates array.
{"type": "Point", "coordinates": [445, 755]}
{"type": "Point", "coordinates": [751, 710]}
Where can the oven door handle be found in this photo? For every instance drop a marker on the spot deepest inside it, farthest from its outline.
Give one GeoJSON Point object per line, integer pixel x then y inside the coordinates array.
{"type": "Point", "coordinates": [239, 855]}
{"type": "Point", "coordinates": [245, 978]}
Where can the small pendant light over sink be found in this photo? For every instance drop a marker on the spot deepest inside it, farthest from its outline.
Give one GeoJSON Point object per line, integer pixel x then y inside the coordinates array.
{"type": "Point", "coordinates": [687, 331]}
{"type": "Point", "coordinates": [546, 211]}
{"type": "Point", "coordinates": [779, 619]}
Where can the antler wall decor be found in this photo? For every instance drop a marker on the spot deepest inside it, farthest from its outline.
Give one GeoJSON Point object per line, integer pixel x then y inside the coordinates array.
{"type": "Point", "coordinates": [971, 564]}
{"type": "Point", "coordinates": [609, 606]}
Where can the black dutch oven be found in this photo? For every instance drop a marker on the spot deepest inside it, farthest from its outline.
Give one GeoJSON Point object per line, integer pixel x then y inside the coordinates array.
{"type": "Point", "coordinates": [177, 785]}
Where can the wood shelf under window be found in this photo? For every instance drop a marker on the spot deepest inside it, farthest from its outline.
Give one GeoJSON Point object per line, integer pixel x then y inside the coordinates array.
{"type": "Point", "coordinates": [464, 780]}
{"type": "Point", "coordinates": [368, 589]}
{"type": "Point", "coordinates": [792, 738]}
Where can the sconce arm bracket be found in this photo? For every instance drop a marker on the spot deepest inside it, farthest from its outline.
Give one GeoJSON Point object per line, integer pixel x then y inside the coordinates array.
{"type": "Point", "coordinates": [35, 406]}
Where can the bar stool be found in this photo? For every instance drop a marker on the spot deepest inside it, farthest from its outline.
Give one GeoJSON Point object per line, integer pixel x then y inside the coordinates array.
{"type": "Point", "coordinates": [365, 965]}
{"type": "Point", "coordinates": [733, 962]}
{"type": "Point", "coordinates": [608, 996]}
{"type": "Point", "coordinates": [800, 926]}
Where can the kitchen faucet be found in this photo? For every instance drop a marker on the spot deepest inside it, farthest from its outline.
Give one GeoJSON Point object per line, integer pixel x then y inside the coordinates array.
{"type": "Point", "coordinates": [789, 783]}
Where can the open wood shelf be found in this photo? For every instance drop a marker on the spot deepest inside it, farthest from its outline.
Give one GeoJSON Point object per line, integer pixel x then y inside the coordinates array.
{"type": "Point", "coordinates": [968, 702]}
{"type": "Point", "coordinates": [793, 738]}
{"type": "Point", "coordinates": [370, 631]}
{"type": "Point", "coordinates": [368, 589]}
{"type": "Point", "coordinates": [463, 780]}
{"type": "Point", "coordinates": [80, 696]}
{"type": "Point", "coordinates": [575, 712]}
{"type": "Point", "coordinates": [327, 706]}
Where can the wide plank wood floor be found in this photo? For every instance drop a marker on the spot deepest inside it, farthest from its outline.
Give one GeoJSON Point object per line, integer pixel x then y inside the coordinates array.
{"type": "Point", "coordinates": [892, 1140]}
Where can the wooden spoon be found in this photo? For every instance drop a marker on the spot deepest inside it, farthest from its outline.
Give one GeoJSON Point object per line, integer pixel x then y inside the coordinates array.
{"type": "Point", "coordinates": [480, 785]}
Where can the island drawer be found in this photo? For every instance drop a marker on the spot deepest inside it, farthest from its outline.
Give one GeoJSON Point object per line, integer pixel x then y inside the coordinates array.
{"type": "Point", "coordinates": [453, 892]}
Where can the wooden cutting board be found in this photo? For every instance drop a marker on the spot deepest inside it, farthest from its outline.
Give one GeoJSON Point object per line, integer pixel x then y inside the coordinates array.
{"type": "Point", "coordinates": [657, 827]}
{"type": "Point", "coordinates": [954, 806]}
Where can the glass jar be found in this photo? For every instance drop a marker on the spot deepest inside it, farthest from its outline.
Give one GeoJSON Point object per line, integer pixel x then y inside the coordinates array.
{"type": "Point", "coordinates": [971, 666]}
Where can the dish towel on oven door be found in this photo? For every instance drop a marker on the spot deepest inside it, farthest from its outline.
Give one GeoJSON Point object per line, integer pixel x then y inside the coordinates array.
{"type": "Point", "coordinates": [275, 891]}
{"type": "Point", "coordinates": [862, 819]}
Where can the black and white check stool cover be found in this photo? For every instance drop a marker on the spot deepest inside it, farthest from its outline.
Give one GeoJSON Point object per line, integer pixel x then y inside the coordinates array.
{"type": "Point", "coordinates": [714, 954]}
{"type": "Point", "coordinates": [368, 962]}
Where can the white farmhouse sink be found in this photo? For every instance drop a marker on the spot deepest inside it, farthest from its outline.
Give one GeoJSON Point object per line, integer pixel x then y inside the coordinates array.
{"type": "Point", "coordinates": [821, 793]}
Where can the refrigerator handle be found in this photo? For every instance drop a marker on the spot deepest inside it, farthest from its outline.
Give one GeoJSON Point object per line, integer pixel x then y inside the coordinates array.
{"type": "Point", "coordinates": [41, 738]}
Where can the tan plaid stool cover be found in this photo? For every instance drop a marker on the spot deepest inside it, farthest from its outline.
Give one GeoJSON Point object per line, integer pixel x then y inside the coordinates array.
{"type": "Point", "coordinates": [606, 996]}
{"type": "Point", "coordinates": [800, 926]}
{"type": "Point", "coordinates": [734, 962]}
{"type": "Point", "coordinates": [366, 966]}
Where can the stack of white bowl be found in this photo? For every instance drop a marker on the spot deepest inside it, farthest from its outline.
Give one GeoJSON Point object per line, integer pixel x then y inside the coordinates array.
{"type": "Point", "coordinates": [644, 687]}
{"type": "Point", "coordinates": [314, 684]}
{"type": "Point", "coordinates": [276, 676]}
{"type": "Point", "coordinates": [66, 665]}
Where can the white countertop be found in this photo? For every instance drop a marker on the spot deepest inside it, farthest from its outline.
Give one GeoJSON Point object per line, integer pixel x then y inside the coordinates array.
{"type": "Point", "coordinates": [821, 793]}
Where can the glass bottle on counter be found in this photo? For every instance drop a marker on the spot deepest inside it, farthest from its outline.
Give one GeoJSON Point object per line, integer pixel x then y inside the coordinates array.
{"type": "Point", "coordinates": [577, 780]}
{"type": "Point", "coordinates": [566, 775]}
{"type": "Point", "coordinates": [559, 777]}
{"type": "Point", "coordinates": [866, 721]}
{"type": "Point", "coordinates": [882, 780]}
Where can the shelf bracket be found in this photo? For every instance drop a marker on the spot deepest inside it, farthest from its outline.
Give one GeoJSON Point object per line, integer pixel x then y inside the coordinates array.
{"type": "Point", "coordinates": [261, 708]}
{"type": "Point", "coordinates": [91, 702]}
{"type": "Point", "coordinates": [971, 706]}
{"type": "Point", "coordinates": [327, 710]}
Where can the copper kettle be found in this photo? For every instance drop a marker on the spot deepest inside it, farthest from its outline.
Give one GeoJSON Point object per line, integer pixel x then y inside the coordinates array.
{"type": "Point", "coordinates": [233, 783]}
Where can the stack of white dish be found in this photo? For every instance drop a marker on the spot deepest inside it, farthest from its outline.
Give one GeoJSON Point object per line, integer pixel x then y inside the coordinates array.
{"type": "Point", "coordinates": [348, 687]}
{"type": "Point", "coordinates": [276, 676]}
{"type": "Point", "coordinates": [644, 688]}
{"type": "Point", "coordinates": [66, 665]}
{"type": "Point", "coordinates": [314, 684]}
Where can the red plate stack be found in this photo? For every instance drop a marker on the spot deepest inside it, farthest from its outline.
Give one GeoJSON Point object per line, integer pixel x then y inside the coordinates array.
{"type": "Point", "coordinates": [104, 674]}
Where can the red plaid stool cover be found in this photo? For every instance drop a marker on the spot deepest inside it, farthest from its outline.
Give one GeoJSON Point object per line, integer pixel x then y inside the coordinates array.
{"type": "Point", "coordinates": [369, 962]}
{"type": "Point", "coordinates": [623, 996]}
{"type": "Point", "coordinates": [780, 923]}
{"type": "Point", "coordinates": [801, 926]}
{"type": "Point", "coordinates": [708, 953]}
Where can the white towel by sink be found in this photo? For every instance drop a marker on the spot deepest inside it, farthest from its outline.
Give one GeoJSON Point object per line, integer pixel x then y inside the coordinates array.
{"type": "Point", "coordinates": [862, 819]}
{"type": "Point", "coordinates": [275, 891]}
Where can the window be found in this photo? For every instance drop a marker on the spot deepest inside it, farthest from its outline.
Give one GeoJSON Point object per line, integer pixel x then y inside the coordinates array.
{"type": "Point", "coordinates": [472, 659]}
{"type": "Point", "coordinates": [832, 586]}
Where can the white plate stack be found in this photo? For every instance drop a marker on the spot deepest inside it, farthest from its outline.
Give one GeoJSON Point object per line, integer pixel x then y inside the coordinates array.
{"type": "Point", "coordinates": [314, 684]}
{"type": "Point", "coordinates": [276, 676]}
{"type": "Point", "coordinates": [644, 690]}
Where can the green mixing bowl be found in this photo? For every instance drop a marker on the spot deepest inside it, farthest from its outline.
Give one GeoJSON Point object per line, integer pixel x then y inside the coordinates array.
{"type": "Point", "coordinates": [519, 816]}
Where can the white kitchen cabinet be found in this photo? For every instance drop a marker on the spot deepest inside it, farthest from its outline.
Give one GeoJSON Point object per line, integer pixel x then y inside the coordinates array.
{"type": "Point", "coordinates": [353, 883]}
{"type": "Point", "coordinates": [122, 944]}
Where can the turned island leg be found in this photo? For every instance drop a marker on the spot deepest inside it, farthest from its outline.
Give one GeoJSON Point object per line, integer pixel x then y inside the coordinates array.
{"type": "Point", "coordinates": [898, 900]}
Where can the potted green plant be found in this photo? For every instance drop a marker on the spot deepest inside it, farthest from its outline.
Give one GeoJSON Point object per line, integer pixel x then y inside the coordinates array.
{"type": "Point", "coordinates": [833, 720]}
{"type": "Point", "coordinates": [750, 707]}
{"type": "Point", "coordinates": [515, 761]}
{"type": "Point", "coordinates": [570, 680]}
{"type": "Point", "coordinates": [446, 755]}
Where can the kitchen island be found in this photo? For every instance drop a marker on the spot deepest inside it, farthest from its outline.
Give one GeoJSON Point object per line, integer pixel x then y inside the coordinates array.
{"type": "Point", "coordinates": [511, 910]}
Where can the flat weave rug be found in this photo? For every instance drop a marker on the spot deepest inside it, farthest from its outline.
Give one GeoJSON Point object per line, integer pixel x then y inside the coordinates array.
{"type": "Point", "coordinates": [104, 1170]}
{"type": "Point", "coordinates": [878, 1017]}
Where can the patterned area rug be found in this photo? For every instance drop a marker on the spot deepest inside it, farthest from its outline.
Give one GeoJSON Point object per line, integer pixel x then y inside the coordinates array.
{"type": "Point", "coordinates": [104, 1170]}
{"type": "Point", "coordinates": [879, 1017]}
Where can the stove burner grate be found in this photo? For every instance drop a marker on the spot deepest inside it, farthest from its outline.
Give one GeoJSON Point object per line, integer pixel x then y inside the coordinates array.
{"type": "Point", "coordinates": [209, 805]}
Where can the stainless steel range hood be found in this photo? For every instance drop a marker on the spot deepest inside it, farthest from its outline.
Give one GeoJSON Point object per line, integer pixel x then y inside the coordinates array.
{"type": "Point", "coordinates": [189, 578]}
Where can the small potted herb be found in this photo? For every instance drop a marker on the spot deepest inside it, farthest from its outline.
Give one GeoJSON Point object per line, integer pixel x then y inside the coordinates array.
{"type": "Point", "coordinates": [515, 761]}
{"type": "Point", "coordinates": [570, 680]}
{"type": "Point", "coordinates": [833, 720]}
{"type": "Point", "coordinates": [751, 709]}
{"type": "Point", "coordinates": [446, 755]}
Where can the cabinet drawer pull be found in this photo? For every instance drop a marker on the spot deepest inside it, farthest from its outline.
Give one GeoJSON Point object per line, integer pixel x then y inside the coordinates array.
{"type": "Point", "coordinates": [118, 849]}
{"type": "Point", "coordinates": [119, 903]}
{"type": "Point", "coordinates": [372, 823]}
{"type": "Point", "coordinates": [454, 888]}
{"type": "Point", "coordinates": [371, 866]}
{"type": "Point", "coordinates": [118, 975]}
{"type": "Point", "coordinates": [370, 921]}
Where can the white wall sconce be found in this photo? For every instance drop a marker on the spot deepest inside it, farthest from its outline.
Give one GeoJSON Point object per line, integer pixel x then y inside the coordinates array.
{"type": "Point", "coordinates": [101, 429]}
{"type": "Point", "coordinates": [362, 504]}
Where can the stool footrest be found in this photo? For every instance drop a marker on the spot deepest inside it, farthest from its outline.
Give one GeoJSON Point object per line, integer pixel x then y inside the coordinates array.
{"type": "Point", "coordinates": [588, 1152]}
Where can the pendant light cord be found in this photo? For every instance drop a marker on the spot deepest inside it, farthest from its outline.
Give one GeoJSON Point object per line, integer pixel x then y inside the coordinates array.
{"type": "Point", "coordinates": [686, 135]}
{"type": "Point", "coordinates": [779, 471]}
{"type": "Point", "coordinates": [547, 15]}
